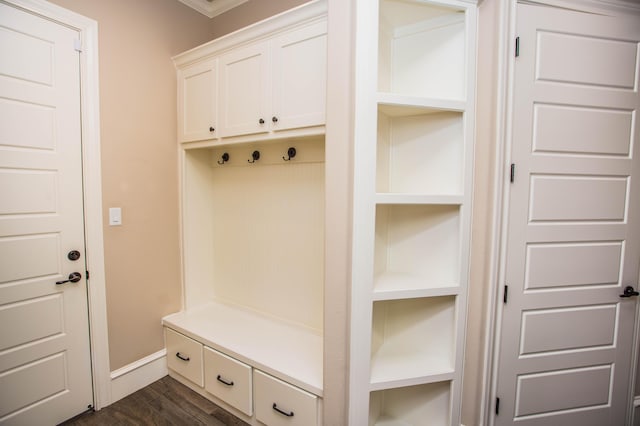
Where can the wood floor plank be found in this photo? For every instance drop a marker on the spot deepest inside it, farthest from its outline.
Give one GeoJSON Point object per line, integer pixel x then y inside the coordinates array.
{"type": "Point", "coordinates": [164, 402]}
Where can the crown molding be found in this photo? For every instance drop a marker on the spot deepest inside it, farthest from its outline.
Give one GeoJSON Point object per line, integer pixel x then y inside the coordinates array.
{"type": "Point", "coordinates": [211, 8]}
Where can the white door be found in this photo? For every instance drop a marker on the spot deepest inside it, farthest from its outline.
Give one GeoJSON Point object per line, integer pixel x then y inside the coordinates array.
{"type": "Point", "coordinates": [45, 369]}
{"type": "Point", "coordinates": [573, 241]}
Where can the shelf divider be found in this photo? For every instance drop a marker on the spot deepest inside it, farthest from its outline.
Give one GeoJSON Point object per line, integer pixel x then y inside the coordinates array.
{"type": "Point", "coordinates": [398, 198]}
{"type": "Point", "coordinates": [404, 105]}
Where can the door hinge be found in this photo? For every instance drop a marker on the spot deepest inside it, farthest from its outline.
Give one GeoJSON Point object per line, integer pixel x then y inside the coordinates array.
{"type": "Point", "coordinates": [77, 45]}
{"type": "Point", "coordinates": [497, 406]}
{"type": "Point", "coordinates": [87, 274]}
{"type": "Point", "coordinates": [517, 46]}
{"type": "Point", "coordinates": [505, 295]}
{"type": "Point", "coordinates": [512, 174]}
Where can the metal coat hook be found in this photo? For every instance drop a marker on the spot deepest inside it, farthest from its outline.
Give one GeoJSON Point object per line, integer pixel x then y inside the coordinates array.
{"type": "Point", "coordinates": [255, 155]}
{"type": "Point", "coordinates": [291, 152]}
{"type": "Point", "coordinates": [224, 158]}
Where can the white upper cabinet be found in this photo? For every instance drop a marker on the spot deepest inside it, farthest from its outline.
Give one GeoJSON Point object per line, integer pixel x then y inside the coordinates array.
{"type": "Point", "coordinates": [275, 85]}
{"type": "Point", "coordinates": [300, 77]}
{"type": "Point", "coordinates": [244, 90]}
{"type": "Point", "coordinates": [257, 83]}
{"type": "Point", "coordinates": [197, 112]}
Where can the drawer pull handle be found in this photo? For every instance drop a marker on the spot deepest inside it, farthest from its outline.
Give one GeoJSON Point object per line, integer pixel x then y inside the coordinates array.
{"type": "Point", "coordinates": [284, 413]}
{"type": "Point", "coordinates": [223, 381]}
{"type": "Point", "coordinates": [182, 357]}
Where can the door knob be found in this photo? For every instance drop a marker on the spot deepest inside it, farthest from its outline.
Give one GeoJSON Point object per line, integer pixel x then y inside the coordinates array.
{"type": "Point", "coordinates": [74, 277]}
{"type": "Point", "coordinates": [629, 291]}
{"type": "Point", "coordinates": [73, 255]}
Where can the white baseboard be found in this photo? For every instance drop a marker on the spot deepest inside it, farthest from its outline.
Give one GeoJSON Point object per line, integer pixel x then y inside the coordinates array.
{"type": "Point", "coordinates": [138, 374]}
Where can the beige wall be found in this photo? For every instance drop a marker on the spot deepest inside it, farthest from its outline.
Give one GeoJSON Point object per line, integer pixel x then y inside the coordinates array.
{"type": "Point", "coordinates": [139, 155]}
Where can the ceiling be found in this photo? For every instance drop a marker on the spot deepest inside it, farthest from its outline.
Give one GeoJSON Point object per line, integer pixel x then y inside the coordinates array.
{"type": "Point", "coordinates": [212, 8]}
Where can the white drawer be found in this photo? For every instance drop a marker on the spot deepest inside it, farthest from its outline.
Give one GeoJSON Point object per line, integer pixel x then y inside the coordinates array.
{"type": "Point", "coordinates": [280, 404]}
{"type": "Point", "coordinates": [184, 356]}
{"type": "Point", "coordinates": [228, 379]}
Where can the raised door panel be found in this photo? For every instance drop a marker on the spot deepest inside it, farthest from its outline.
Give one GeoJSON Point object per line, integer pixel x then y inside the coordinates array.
{"type": "Point", "coordinates": [245, 84]}
{"type": "Point", "coordinates": [197, 111]}
{"type": "Point", "coordinates": [300, 77]}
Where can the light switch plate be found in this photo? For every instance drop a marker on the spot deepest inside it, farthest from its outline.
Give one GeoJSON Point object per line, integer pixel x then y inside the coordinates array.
{"type": "Point", "coordinates": [115, 216]}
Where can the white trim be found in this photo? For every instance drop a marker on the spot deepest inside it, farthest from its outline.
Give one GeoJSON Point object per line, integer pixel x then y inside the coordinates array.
{"type": "Point", "coordinates": [99, 341]}
{"type": "Point", "coordinates": [299, 16]}
{"type": "Point", "coordinates": [506, 30]}
{"type": "Point", "coordinates": [138, 374]}
{"type": "Point", "coordinates": [211, 8]}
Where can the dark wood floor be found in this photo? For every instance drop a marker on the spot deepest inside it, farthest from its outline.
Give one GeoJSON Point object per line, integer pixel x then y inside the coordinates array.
{"type": "Point", "coordinates": [165, 402]}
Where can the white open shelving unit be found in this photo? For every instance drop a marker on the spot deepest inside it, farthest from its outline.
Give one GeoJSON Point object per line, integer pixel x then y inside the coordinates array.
{"type": "Point", "coordinates": [412, 209]}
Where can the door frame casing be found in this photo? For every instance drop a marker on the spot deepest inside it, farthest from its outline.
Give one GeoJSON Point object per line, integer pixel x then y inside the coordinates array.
{"type": "Point", "coordinates": [92, 187]}
{"type": "Point", "coordinates": [505, 72]}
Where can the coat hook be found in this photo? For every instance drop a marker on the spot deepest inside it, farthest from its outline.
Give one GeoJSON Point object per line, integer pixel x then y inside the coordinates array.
{"type": "Point", "coordinates": [224, 158]}
{"type": "Point", "coordinates": [255, 155]}
{"type": "Point", "coordinates": [291, 152]}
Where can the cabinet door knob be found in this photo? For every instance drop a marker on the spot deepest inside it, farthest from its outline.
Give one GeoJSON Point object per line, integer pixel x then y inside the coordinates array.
{"type": "Point", "coordinates": [212, 129]}
{"type": "Point", "coordinates": [274, 119]}
{"type": "Point", "coordinates": [261, 121]}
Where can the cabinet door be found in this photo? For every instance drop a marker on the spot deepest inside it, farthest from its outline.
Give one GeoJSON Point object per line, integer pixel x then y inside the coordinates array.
{"type": "Point", "coordinates": [299, 77]}
{"type": "Point", "coordinates": [244, 90]}
{"type": "Point", "coordinates": [197, 112]}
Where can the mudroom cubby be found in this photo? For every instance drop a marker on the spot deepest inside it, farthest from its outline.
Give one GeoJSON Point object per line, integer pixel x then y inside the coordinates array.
{"type": "Point", "coordinates": [254, 229]}
{"type": "Point", "coordinates": [253, 255]}
{"type": "Point", "coordinates": [254, 206]}
{"type": "Point", "coordinates": [252, 161]}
